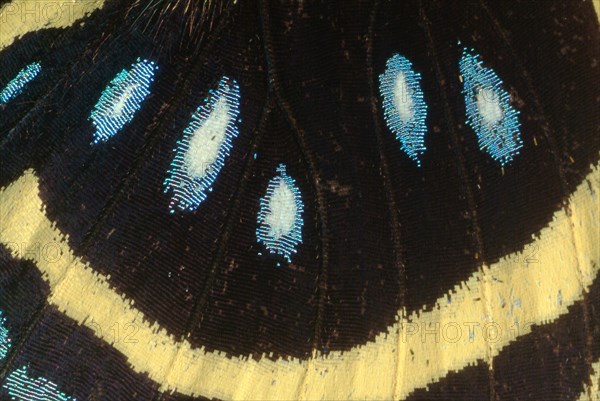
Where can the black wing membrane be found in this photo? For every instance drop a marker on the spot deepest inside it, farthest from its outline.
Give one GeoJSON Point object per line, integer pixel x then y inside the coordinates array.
{"type": "Point", "coordinates": [545, 55]}
{"type": "Point", "coordinates": [380, 234]}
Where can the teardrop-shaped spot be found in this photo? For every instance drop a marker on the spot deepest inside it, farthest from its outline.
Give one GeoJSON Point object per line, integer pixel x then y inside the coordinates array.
{"type": "Point", "coordinates": [121, 99]}
{"type": "Point", "coordinates": [404, 107]}
{"type": "Point", "coordinates": [207, 141]}
{"type": "Point", "coordinates": [489, 111]}
{"type": "Point", "coordinates": [280, 216]}
{"type": "Point", "coordinates": [18, 83]}
{"type": "Point", "coordinates": [4, 338]}
{"type": "Point", "coordinates": [21, 386]}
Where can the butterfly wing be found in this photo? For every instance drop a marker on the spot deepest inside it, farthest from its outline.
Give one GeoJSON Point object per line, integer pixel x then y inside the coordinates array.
{"type": "Point", "coordinates": [195, 302]}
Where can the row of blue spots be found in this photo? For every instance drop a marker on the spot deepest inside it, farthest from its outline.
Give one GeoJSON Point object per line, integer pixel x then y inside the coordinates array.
{"type": "Point", "coordinates": [280, 217]}
{"type": "Point", "coordinates": [117, 104]}
{"type": "Point", "coordinates": [19, 385]}
{"type": "Point", "coordinates": [201, 153]}
{"type": "Point", "coordinates": [121, 99]}
{"type": "Point", "coordinates": [488, 108]}
{"type": "Point", "coordinates": [404, 108]}
{"type": "Point", "coordinates": [206, 143]}
{"type": "Point", "coordinates": [16, 85]}
{"type": "Point", "coordinates": [489, 112]}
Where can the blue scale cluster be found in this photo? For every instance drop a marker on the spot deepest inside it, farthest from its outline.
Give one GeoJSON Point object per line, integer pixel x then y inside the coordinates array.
{"type": "Point", "coordinates": [16, 85]}
{"type": "Point", "coordinates": [126, 92]}
{"type": "Point", "coordinates": [189, 192]}
{"type": "Point", "coordinates": [4, 339]}
{"type": "Point", "coordinates": [410, 133]}
{"type": "Point", "coordinates": [21, 387]}
{"type": "Point", "coordinates": [287, 243]}
{"type": "Point", "coordinates": [501, 140]}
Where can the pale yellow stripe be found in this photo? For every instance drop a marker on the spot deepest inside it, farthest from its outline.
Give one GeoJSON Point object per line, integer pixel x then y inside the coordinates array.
{"type": "Point", "coordinates": [597, 8]}
{"type": "Point", "coordinates": [390, 367]}
{"type": "Point", "coordinates": [592, 393]}
{"type": "Point", "coordinates": [23, 16]}
{"type": "Point", "coordinates": [532, 294]}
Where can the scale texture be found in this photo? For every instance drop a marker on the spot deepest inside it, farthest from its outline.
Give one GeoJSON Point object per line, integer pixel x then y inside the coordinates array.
{"type": "Point", "coordinates": [303, 238]}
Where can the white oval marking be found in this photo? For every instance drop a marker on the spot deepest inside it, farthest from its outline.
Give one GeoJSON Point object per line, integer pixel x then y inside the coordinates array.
{"type": "Point", "coordinates": [207, 139]}
{"type": "Point", "coordinates": [403, 98]}
{"type": "Point", "coordinates": [280, 218]}
{"type": "Point", "coordinates": [206, 143]}
{"type": "Point", "coordinates": [119, 106]}
{"type": "Point", "coordinates": [490, 109]}
{"type": "Point", "coordinates": [282, 215]}
{"type": "Point", "coordinates": [404, 107]}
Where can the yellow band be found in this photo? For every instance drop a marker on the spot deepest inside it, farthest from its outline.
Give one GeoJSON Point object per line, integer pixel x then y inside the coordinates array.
{"type": "Point", "coordinates": [414, 352]}
{"type": "Point", "coordinates": [23, 16]}
{"type": "Point", "coordinates": [420, 350]}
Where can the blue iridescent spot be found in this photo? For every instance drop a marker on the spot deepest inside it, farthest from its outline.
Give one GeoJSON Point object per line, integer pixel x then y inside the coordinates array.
{"type": "Point", "coordinates": [23, 388]}
{"type": "Point", "coordinates": [404, 108]}
{"type": "Point", "coordinates": [16, 85]}
{"type": "Point", "coordinates": [4, 338]}
{"type": "Point", "coordinates": [121, 99]}
{"type": "Point", "coordinates": [280, 216]}
{"type": "Point", "coordinates": [489, 111]}
{"type": "Point", "coordinates": [206, 143]}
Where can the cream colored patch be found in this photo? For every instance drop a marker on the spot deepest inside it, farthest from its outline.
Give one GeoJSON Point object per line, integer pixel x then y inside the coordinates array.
{"type": "Point", "coordinates": [489, 107]}
{"type": "Point", "coordinates": [119, 106]}
{"type": "Point", "coordinates": [23, 16]}
{"type": "Point", "coordinates": [592, 393]}
{"type": "Point", "coordinates": [206, 140]}
{"type": "Point", "coordinates": [567, 263]}
{"type": "Point", "coordinates": [403, 98]}
{"type": "Point", "coordinates": [282, 215]}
